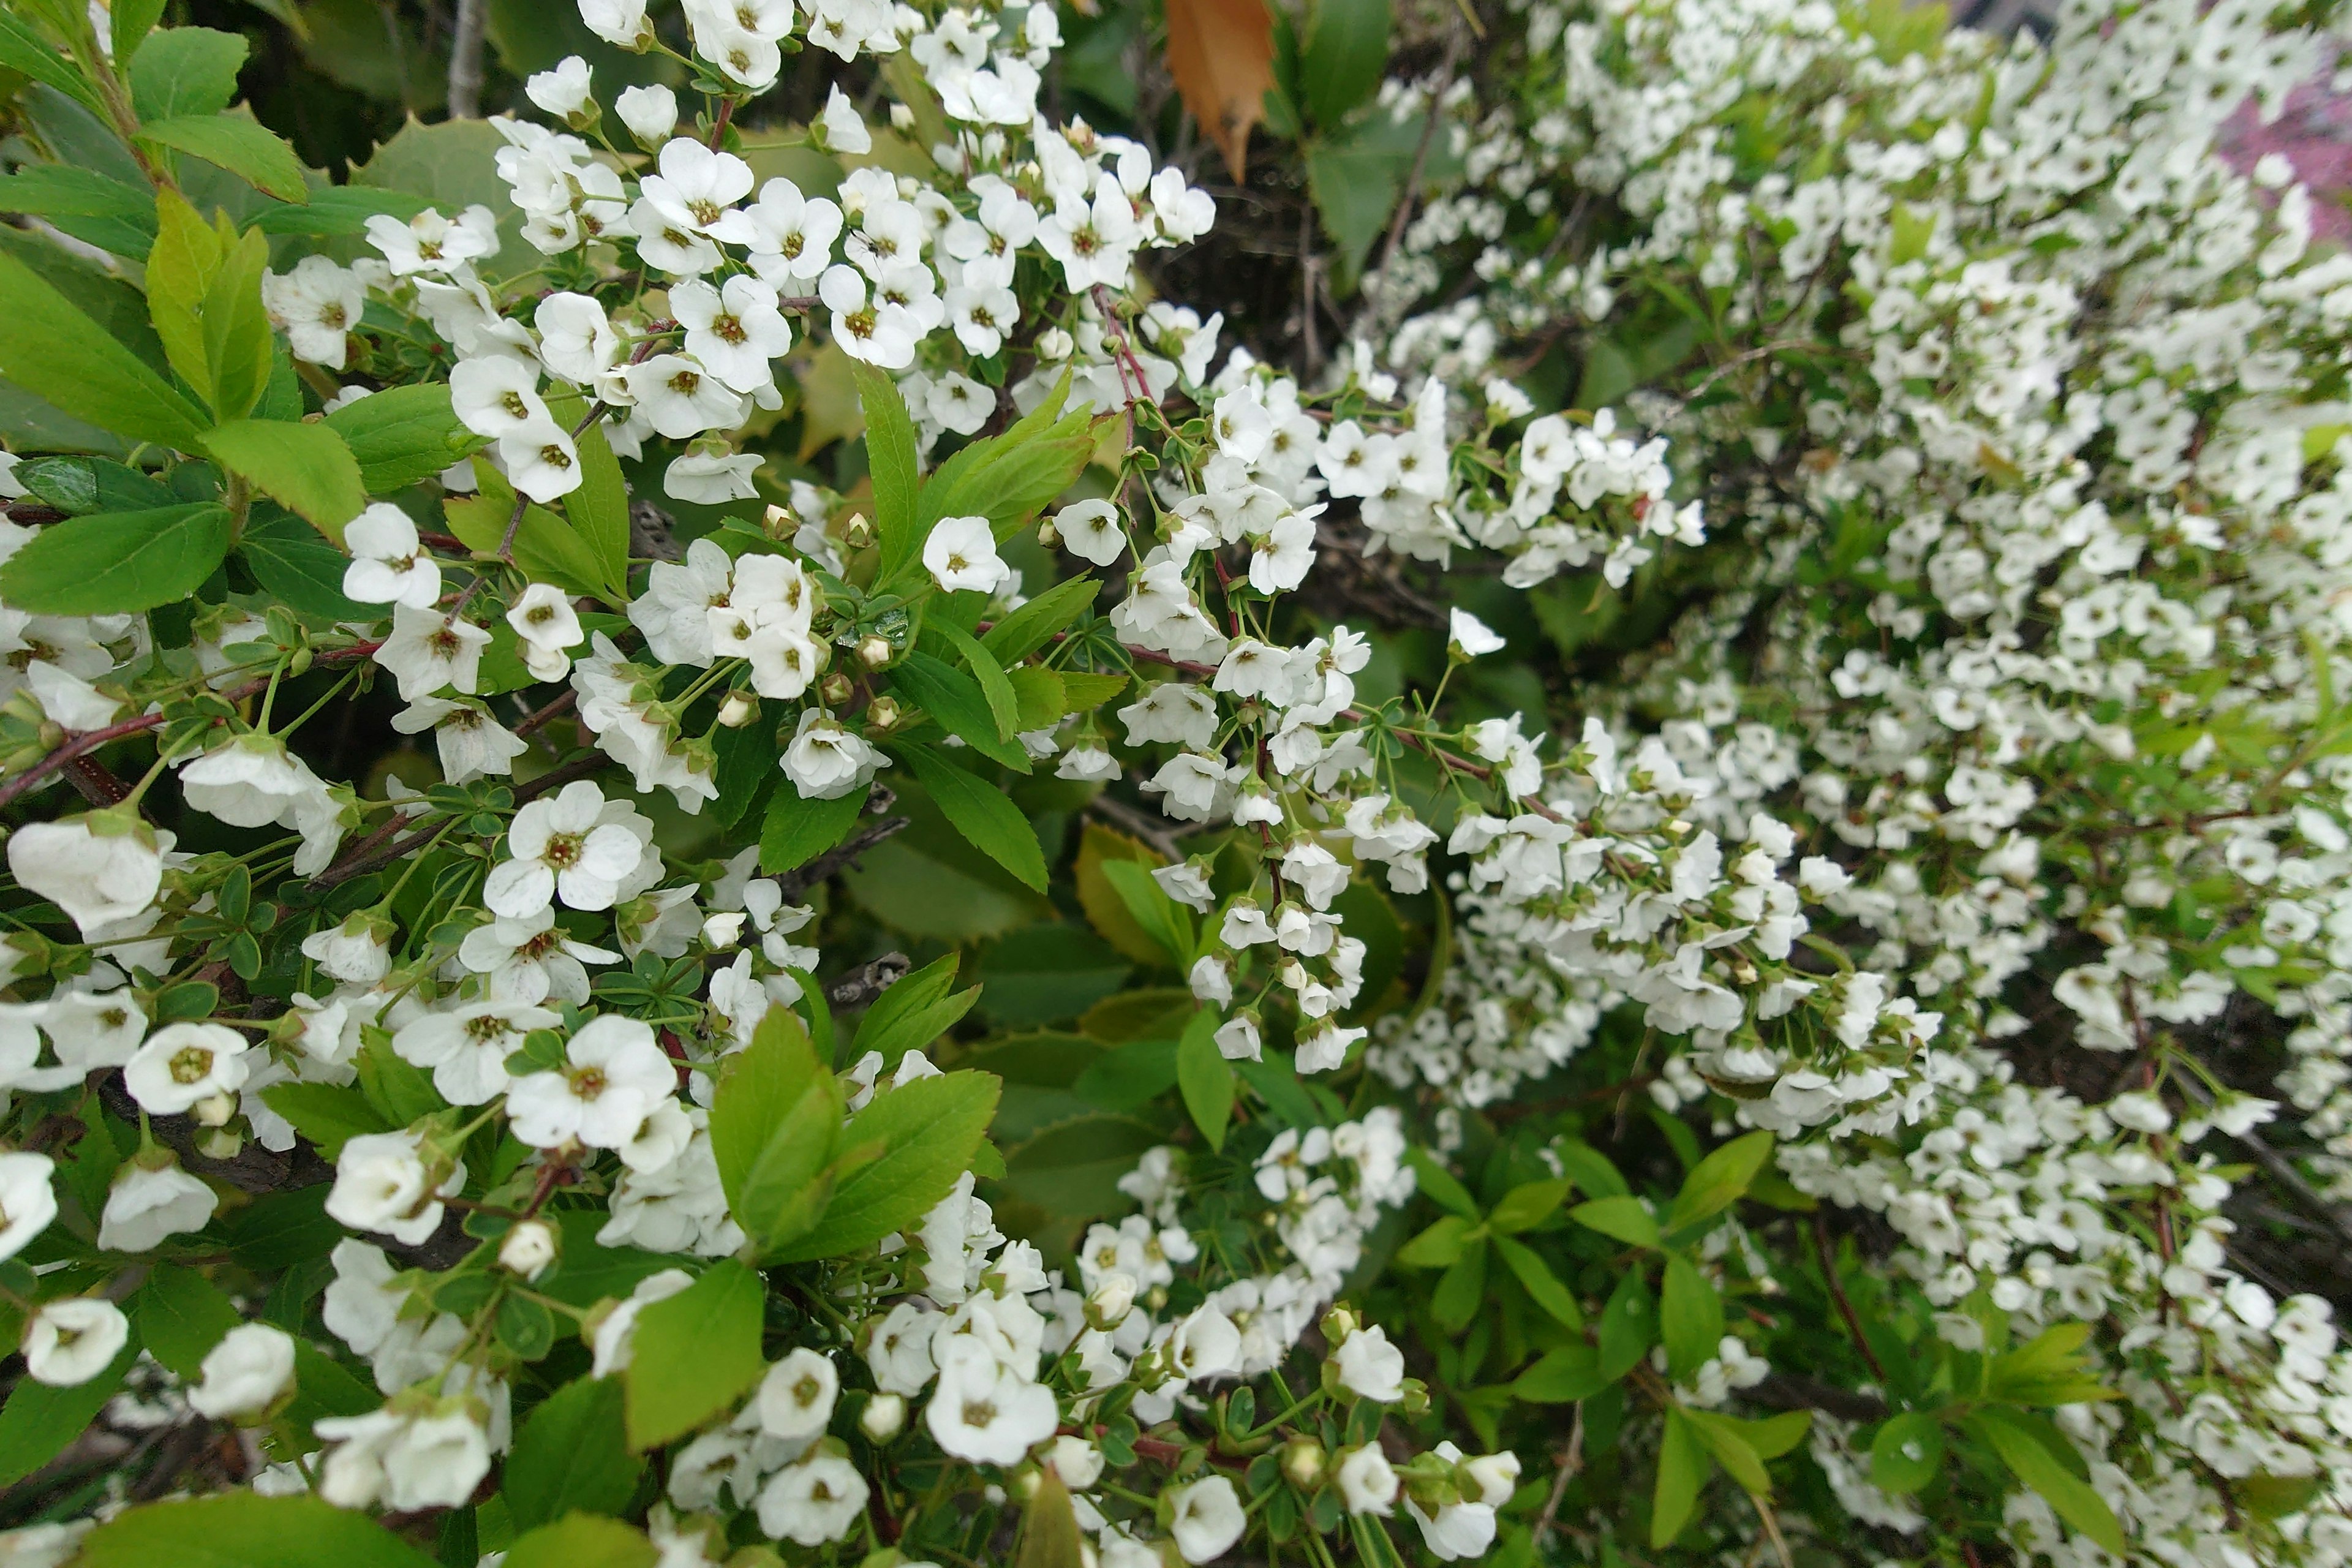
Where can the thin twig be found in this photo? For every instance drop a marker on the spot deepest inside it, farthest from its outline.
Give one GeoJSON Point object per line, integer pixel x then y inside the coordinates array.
{"type": "Point", "coordinates": [798, 882]}
{"type": "Point", "coordinates": [1457, 39]}
{"type": "Point", "coordinates": [1844, 1307]}
{"type": "Point", "coordinates": [1152, 830]}
{"type": "Point", "coordinates": [1571, 1461]}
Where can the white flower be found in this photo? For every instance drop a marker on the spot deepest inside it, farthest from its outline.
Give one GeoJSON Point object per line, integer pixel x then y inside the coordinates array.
{"type": "Point", "coordinates": [429, 650]}
{"type": "Point", "coordinates": [529, 960]}
{"type": "Point", "coordinates": [612, 1340]}
{"type": "Point", "coordinates": [576, 339]}
{"type": "Point", "coordinates": [1370, 1367]}
{"type": "Point", "coordinates": [563, 90]}
{"type": "Point", "coordinates": [183, 1063]}
{"type": "Point", "coordinates": [961, 554]}
{"type": "Point", "coordinates": [28, 1202]}
{"type": "Point", "coordinates": [898, 1352]}
{"type": "Point", "coordinates": [428, 1460]}
{"type": "Point", "coordinates": [1368, 1483]}
{"type": "Point", "coordinates": [318, 304]}
{"type": "Point", "coordinates": [528, 1249]}
{"type": "Point", "coordinates": [878, 331]}
{"type": "Point", "coordinates": [613, 1077]}
{"type": "Point", "coordinates": [826, 760]}
{"type": "Point", "coordinates": [72, 1340]}
{"type": "Point", "coordinates": [382, 1183]}
{"type": "Point", "coordinates": [354, 951]}
{"type": "Point", "coordinates": [547, 625]}
{"type": "Point", "coordinates": [816, 1501]}
{"type": "Point", "coordinates": [649, 112]}
{"type": "Point", "coordinates": [837, 127]}
{"type": "Point", "coordinates": [246, 1372]}
{"type": "Point", "coordinates": [430, 243]}
{"type": "Point", "coordinates": [681, 398]}
{"type": "Point", "coordinates": [471, 744]}
{"type": "Point", "coordinates": [884, 1418]}
{"type": "Point", "coordinates": [1471, 635]}
{"type": "Point", "coordinates": [621, 22]}
{"type": "Point", "coordinates": [1092, 531]}
{"type": "Point", "coordinates": [560, 849]}
{"type": "Point", "coordinates": [1208, 1519]}
{"type": "Point", "coordinates": [467, 1048]}
{"type": "Point", "coordinates": [707, 479]}
{"type": "Point", "coordinates": [795, 1400]}
{"type": "Point", "coordinates": [735, 330]}
{"type": "Point", "coordinates": [389, 566]}
{"type": "Point", "coordinates": [147, 1203]}
{"type": "Point", "coordinates": [1237, 1038]}
{"type": "Point", "coordinates": [99, 868]}
{"type": "Point", "coordinates": [985, 1411]}
{"type": "Point", "coordinates": [796, 233]}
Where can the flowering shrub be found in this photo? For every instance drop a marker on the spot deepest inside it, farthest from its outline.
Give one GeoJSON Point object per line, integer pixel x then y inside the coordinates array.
{"type": "Point", "coordinates": [1657, 968]}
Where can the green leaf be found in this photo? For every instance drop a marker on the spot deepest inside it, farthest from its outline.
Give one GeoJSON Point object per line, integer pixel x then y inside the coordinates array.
{"type": "Point", "coordinates": [297, 568]}
{"type": "Point", "coordinates": [60, 190]}
{"type": "Point", "coordinates": [914, 1023]}
{"type": "Point", "coordinates": [913, 994]}
{"type": "Point", "coordinates": [1205, 1079]}
{"type": "Point", "coordinates": [1356, 176]}
{"type": "Point", "coordinates": [1161, 918]}
{"type": "Point", "coordinates": [1725, 1440]}
{"type": "Point", "coordinates": [1347, 48]}
{"type": "Point", "coordinates": [572, 1454]}
{"type": "Point", "coordinates": [117, 562]}
{"type": "Point", "coordinates": [1563, 1375]}
{"type": "Point", "coordinates": [583, 1540]}
{"type": "Point", "coordinates": [1032, 625]}
{"type": "Point", "coordinates": [956, 701]}
{"type": "Point", "coordinates": [1002, 704]}
{"type": "Point", "coordinates": [334, 210]}
{"type": "Point", "coordinates": [180, 1316]}
{"type": "Point", "coordinates": [304, 468]}
{"type": "Point", "coordinates": [328, 1116]}
{"type": "Point", "coordinates": [403, 435]}
{"type": "Point", "coordinates": [1105, 908]}
{"type": "Point", "coordinates": [399, 1090]}
{"type": "Point", "coordinates": [247, 149]}
{"type": "Point", "coordinates": [1046, 972]}
{"type": "Point", "coordinates": [129, 23]}
{"type": "Point", "coordinates": [2049, 1369]}
{"type": "Point", "coordinates": [693, 1355]}
{"type": "Point", "coordinates": [1718, 1180]}
{"type": "Point", "coordinates": [1049, 1528]}
{"type": "Point", "coordinates": [773, 1126]}
{"type": "Point", "coordinates": [1527, 1205]}
{"type": "Point", "coordinates": [1442, 1186]}
{"type": "Point", "coordinates": [545, 546]}
{"type": "Point", "coordinates": [245, 1530]}
{"type": "Point", "coordinates": [1776, 1435]}
{"type": "Point", "coordinates": [1129, 1075]}
{"type": "Point", "coordinates": [927, 1131]}
{"type": "Point", "coordinates": [1072, 1169]}
{"type": "Point", "coordinates": [26, 52]}
{"type": "Point", "coordinates": [1629, 1325]}
{"type": "Point", "coordinates": [599, 511]}
{"type": "Point", "coordinates": [1681, 1470]}
{"type": "Point", "coordinates": [1008, 478]}
{"type": "Point", "coordinates": [890, 457]}
{"type": "Point", "coordinates": [39, 1421]}
{"type": "Point", "coordinates": [1274, 1078]}
{"type": "Point", "coordinates": [1461, 1289]}
{"type": "Point", "coordinates": [1542, 1286]}
{"type": "Point", "coordinates": [46, 342]}
{"type": "Point", "coordinates": [986, 818]}
{"type": "Point", "coordinates": [1589, 1168]}
{"type": "Point", "coordinates": [2032, 1447]}
{"type": "Point", "coordinates": [1690, 1317]}
{"type": "Point", "coordinates": [1438, 1245]}
{"type": "Point", "coordinates": [181, 70]}
{"type": "Point", "coordinates": [1626, 1218]}
{"type": "Point", "coordinates": [1906, 1453]}
{"type": "Point", "coordinates": [796, 830]}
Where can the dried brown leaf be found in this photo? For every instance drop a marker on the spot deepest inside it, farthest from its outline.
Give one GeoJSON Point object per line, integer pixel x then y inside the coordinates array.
{"type": "Point", "coordinates": [1221, 53]}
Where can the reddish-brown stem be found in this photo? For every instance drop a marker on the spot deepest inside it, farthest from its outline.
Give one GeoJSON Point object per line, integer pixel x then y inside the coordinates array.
{"type": "Point", "coordinates": [1838, 1295]}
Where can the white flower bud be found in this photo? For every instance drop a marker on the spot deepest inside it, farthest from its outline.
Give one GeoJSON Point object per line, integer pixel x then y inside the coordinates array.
{"type": "Point", "coordinates": [528, 1249]}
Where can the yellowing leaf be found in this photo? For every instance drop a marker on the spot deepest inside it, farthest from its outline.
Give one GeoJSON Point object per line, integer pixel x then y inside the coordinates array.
{"type": "Point", "coordinates": [1221, 53]}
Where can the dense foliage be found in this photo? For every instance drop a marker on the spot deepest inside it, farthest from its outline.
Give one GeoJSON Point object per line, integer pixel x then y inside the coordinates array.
{"type": "Point", "coordinates": [795, 809]}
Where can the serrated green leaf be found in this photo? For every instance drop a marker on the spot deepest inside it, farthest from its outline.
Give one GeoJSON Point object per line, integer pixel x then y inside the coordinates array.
{"type": "Point", "coordinates": [1718, 1180]}
{"type": "Point", "coordinates": [890, 452]}
{"type": "Point", "coordinates": [304, 468]}
{"type": "Point", "coordinates": [179, 1316]}
{"type": "Point", "coordinates": [796, 830]}
{"type": "Point", "coordinates": [693, 1355]}
{"type": "Point", "coordinates": [1032, 625]}
{"type": "Point", "coordinates": [244, 147]}
{"type": "Point", "coordinates": [403, 435]}
{"type": "Point", "coordinates": [1347, 48]}
{"type": "Point", "coordinates": [181, 70]}
{"type": "Point", "coordinates": [2029, 1446]}
{"type": "Point", "coordinates": [1729, 1447]}
{"type": "Point", "coordinates": [46, 342]}
{"type": "Point", "coordinates": [955, 701]}
{"type": "Point", "coordinates": [927, 1131]}
{"type": "Point", "coordinates": [572, 1454]}
{"type": "Point", "coordinates": [295, 566]}
{"type": "Point", "coordinates": [773, 1129]}
{"type": "Point", "coordinates": [117, 562]}
{"type": "Point", "coordinates": [986, 818]}
{"type": "Point", "coordinates": [39, 1422]}
{"type": "Point", "coordinates": [583, 1540]}
{"type": "Point", "coordinates": [1003, 705]}
{"type": "Point", "coordinates": [26, 52]}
